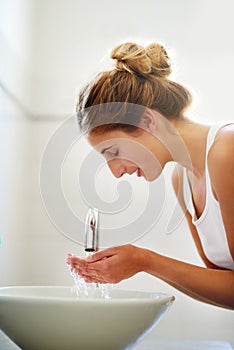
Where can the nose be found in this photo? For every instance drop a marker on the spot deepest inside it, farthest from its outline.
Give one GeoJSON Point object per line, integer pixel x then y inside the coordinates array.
{"type": "Point", "coordinates": [116, 168]}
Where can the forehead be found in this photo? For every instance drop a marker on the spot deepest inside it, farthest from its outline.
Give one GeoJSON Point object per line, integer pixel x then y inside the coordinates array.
{"type": "Point", "coordinates": [95, 139]}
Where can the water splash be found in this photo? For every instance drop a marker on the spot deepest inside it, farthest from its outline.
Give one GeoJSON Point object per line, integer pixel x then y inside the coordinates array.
{"type": "Point", "coordinates": [83, 289]}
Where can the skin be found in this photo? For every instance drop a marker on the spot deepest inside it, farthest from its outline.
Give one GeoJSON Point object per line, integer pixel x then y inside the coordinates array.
{"type": "Point", "coordinates": [209, 284]}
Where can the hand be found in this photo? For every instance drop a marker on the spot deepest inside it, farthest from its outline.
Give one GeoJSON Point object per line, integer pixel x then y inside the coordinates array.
{"type": "Point", "coordinates": [110, 265]}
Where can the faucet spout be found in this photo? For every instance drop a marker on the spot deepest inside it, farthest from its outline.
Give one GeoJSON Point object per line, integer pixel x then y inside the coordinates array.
{"type": "Point", "coordinates": [91, 230]}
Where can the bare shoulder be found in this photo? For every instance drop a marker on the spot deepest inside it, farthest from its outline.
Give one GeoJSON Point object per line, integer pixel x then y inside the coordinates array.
{"type": "Point", "coordinates": [224, 142]}
{"type": "Point", "coordinates": [221, 154]}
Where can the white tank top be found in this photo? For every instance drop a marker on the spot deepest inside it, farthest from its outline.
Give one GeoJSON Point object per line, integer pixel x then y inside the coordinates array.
{"type": "Point", "coordinates": [210, 225]}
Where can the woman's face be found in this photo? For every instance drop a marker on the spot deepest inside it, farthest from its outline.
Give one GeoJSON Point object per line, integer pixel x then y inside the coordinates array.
{"type": "Point", "coordinates": [130, 153]}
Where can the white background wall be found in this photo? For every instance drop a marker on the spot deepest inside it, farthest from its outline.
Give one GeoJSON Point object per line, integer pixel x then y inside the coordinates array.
{"type": "Point", "coordinates": [48, 49]}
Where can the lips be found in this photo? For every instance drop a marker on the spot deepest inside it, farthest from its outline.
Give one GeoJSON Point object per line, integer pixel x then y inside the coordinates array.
{"type": "Point", "coordinates": [138, 172]}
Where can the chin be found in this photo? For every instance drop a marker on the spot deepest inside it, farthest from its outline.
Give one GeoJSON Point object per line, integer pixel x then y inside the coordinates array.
{"type": "Point", "coordinates": [152, 177]}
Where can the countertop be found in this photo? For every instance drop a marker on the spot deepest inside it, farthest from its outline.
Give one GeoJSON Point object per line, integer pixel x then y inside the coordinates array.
{"type": "Point", "coordinates": [152, 344]}
{"type": "Point", "coordinates": [183, 345]}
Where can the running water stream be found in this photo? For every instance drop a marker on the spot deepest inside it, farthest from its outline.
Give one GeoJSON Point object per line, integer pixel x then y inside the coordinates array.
{"type": "Point", "coordinates": [91, 245]}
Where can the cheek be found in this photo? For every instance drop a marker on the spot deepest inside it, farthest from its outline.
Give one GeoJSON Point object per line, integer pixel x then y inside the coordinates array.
{"type": "Point", "coordinates": [142, 159]}
{"type": "Point", "coordinates": [150, 166]}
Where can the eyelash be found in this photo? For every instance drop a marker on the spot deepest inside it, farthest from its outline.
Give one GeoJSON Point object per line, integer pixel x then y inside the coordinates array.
{"type": "Point", "coordinates": [115, 154]}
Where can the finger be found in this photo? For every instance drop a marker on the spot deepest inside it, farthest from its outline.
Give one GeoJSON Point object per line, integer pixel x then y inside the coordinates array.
{"type": "Point", "coordinates": [70, 255]}
{"type": "Point", "coordinates": [87, 270]}
{"type": "Point", "coordinates": [76, 261]}
{"type": "Point", "coordinates": [103, 254]}
{"type": "Point", "coordinates": [94, 279]}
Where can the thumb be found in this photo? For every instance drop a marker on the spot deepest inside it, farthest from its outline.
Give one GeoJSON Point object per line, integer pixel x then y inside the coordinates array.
{"type": "Point", "coordinates": [103, 254]}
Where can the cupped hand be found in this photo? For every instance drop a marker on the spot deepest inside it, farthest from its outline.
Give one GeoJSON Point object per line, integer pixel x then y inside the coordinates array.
{"type": "Point", "coordinates": [111, 265]}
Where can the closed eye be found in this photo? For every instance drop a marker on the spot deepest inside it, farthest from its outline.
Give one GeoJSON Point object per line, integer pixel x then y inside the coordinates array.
{"type": "Point", "coordinates": [112, 154]}
{"type": "Point", "coordinates": [111, 151]}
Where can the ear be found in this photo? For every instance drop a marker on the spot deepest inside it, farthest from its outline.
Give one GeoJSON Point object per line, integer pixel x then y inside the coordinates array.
{"type": "Point", "coordinates": [148, 121]}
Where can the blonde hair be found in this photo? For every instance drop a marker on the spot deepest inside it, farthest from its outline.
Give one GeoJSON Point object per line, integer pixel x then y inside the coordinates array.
{"type": "Point", "coordinates": [140, 77]}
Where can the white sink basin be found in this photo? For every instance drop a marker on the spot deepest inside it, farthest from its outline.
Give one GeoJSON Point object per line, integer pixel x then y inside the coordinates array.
{"type": "Point", "coordinates": [53, 318]}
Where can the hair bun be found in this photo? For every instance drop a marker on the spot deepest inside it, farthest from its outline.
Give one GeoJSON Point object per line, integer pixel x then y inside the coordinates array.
{"type": "Point", "coordinates": [132, 58]}
{"type": "Point", "coordinates": [136, 59]}
{"type": "Point", "coordinates": [161, 65]}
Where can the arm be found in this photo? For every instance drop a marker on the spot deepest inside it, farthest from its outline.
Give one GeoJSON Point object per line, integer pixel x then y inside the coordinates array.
{"type": "Point", "coordinates": [220, 275]}
{"type": "Point", "coordinates": [112, 265]}
{"type": "Point", "coordinates": [212, 286]}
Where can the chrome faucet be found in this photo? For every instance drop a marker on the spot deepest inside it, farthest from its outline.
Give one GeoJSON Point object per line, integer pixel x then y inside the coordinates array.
{"type": "Point", "coordinates": [92, 245]}
{"type": "Point", "coordinates": [91, 230]}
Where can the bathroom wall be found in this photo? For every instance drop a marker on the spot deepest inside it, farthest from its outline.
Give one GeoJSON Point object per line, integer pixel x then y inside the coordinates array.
{"type": "Point", "coordinates": [21, 144]}
{"type": "Point", "coordinates": [50, 48]}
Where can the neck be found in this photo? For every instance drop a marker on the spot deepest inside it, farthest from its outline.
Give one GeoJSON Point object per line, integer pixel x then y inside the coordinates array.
{"type": "Point", "coordinates": [191, 145]}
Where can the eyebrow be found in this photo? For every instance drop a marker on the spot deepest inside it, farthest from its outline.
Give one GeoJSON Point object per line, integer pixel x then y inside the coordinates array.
{"type": "Point", "coordinates": [105, 149]}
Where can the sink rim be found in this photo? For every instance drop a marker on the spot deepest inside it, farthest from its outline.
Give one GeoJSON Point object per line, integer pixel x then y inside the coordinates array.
{"type": "Point", "coordinates": [117, 295]}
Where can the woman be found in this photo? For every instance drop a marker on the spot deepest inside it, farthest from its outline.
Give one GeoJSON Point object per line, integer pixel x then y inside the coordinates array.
{"type": "Point", "coordinates": [130, 138]}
